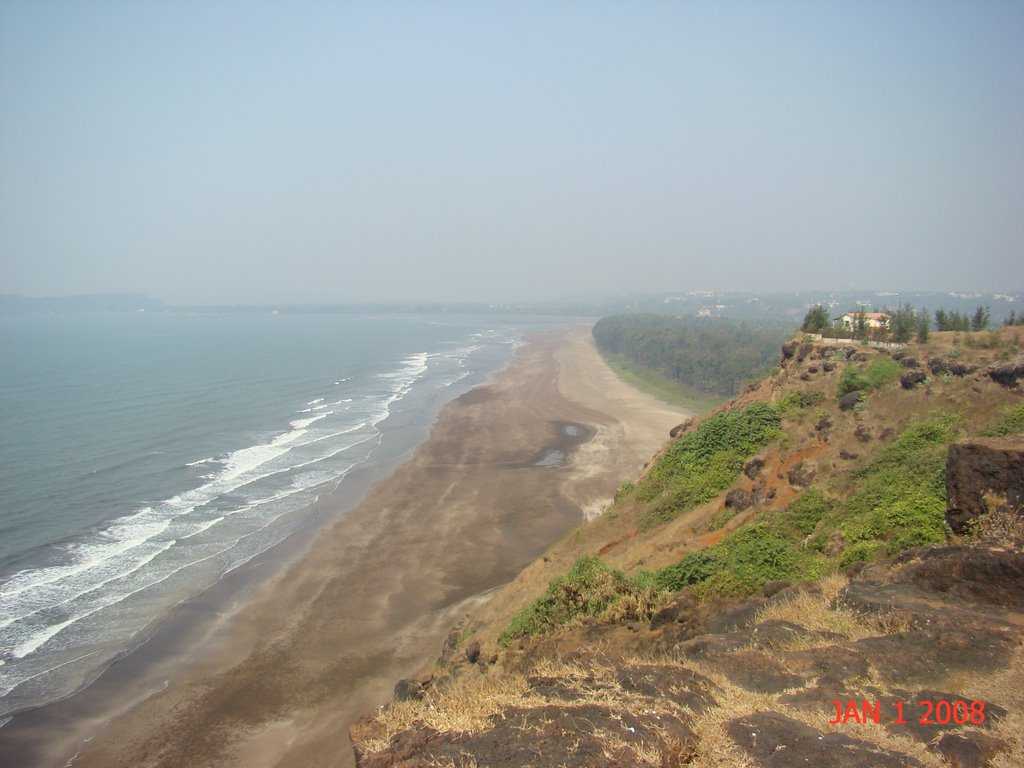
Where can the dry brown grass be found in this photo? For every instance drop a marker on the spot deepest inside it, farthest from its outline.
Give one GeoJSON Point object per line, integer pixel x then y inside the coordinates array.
{"type": "Point", "coordinates": [1002, 527]}
{"type": "Point", "coordinates": [466, 706]}
{"type": "Point", "coordinates": [717, 750]}
{"type": "Point", "coordinates": [816, 612]}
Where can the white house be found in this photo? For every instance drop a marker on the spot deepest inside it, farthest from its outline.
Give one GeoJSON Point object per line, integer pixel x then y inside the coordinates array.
{"type": "Point", "coordinates": [871, 319]}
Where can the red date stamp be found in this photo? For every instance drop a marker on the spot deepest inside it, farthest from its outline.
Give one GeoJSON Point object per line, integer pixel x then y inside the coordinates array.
{"type": "Point", "coordinates": [925, 712]}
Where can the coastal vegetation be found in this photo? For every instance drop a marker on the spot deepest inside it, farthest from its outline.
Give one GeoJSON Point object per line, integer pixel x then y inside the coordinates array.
{"type": "Point", "coordinates": [661, 386]}
{"type": "Point", "coordinates": [713, 356]}
{"type": "Point", "coordinates": [704, 462]}
{"type": "Point", "coordinates": [864, 378]}
{"type": "Point", "coordinates": [898, 502]}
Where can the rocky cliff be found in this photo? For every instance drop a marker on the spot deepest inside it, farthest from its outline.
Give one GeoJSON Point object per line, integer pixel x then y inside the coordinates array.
{"type": "Point", "coordinates": [826, 571]}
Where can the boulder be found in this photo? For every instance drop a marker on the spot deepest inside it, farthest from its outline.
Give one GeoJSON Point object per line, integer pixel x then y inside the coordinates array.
{"type": "Point", "coordinates": [1007, 374]}
{"type": "Point", "coordinates": [739, 499]}
{"type": "Point", "coordinates": [828, 366]}
{"type": "Point", "coordinates": [980, 472]}
{"type": "Point", "coordinates": [408, 690]}
{"type": "Point", "coordinates": [862, 433]}
{"type": "Point", "coordinates": [789, 349]}
{"type": "Point", "coordinates": [939, 365]}
{"type": "Point", "coordinates": [847, 455]}
{"type": "Point", "coordinates": [908, 362]}
{"type": "Point", "coordinates": [911, 379]}
{"type": "Point", "coordinates": [849, 400]}
{"type": "Point", "coordinates": [753, 467]}
{"type": "Point", "coordinates": [473, 652]}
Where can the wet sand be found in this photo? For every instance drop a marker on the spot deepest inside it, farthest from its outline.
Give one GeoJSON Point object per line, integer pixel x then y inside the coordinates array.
{"type": "Point", "coordinates": [508, 469]}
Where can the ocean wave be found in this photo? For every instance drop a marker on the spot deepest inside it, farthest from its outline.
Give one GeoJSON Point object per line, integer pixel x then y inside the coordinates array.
{"type": "Point", "coordinates": [140, 551]}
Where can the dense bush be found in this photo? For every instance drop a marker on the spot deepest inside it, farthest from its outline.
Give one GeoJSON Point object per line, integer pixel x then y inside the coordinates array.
{"type": "Point", "coordinates": [742, 563]}
{"type": "Point", "coordinates": [590, 588]}
{"type": "Point", "coordinates": [711, 355]}
{"type": "Point", "coordinates": [879, 372]}
{"type": "Point", "coordinates": [803, 515]}
{"type": "Point", "coordinates": [1011, 422]}
{"type": "Point", "coordinates": [794, 402]}
{"type": "Point", "coordinates": [900, 498]}
{"type": "Point", "coordinates": [704, 462]}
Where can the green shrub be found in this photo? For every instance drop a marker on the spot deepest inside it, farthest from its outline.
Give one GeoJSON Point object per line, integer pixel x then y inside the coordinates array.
{"type": "Point", "coordinates": [704, 462]}
{"type": "Point", "coordinates": [692, 569]}
{"type": "Point", "coordinates": [741, 564]}
{"type": "Point", "coordinates": [860, 552]}
{"type": "Point", "coordinates": [802, 516]}
{"type": "Point", "coordinates": [624, 490]}
{"type": "Point", "coordinates": [798, 401]}
{"type": "Point", "coordinates": [1011, 422]}
{"type": "Point", "coordinates": [590, 588]}
{"type": "Point", "coordinates": [879, 372]}
{"type": "Point", "coordinates": [900, 498]}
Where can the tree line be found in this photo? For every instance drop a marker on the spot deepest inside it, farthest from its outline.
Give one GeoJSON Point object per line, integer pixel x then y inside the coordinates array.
{"type": "Point", "coordinates": [905, 322]}
{"type": "Point", "coordinates": [716, 356]}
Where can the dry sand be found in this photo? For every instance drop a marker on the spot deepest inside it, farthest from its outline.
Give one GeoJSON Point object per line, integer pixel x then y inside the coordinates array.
{"type": "Point", "coordinates": [324, 642]}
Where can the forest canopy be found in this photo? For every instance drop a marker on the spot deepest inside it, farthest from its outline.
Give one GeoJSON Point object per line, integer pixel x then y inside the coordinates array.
{"type": "Point", "coordinates": [712, 355]}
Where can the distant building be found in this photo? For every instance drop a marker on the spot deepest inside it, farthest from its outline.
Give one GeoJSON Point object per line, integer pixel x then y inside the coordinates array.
{"type": "Point", "coordinates": [871, 319]}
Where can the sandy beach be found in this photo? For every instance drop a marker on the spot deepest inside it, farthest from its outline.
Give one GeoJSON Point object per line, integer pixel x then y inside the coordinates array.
{"type": "Point", "coordinates": [508, 468]}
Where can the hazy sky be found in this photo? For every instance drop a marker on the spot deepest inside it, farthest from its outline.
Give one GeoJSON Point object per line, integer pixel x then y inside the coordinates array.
{"type": "Point", "coordinates": [330, 151]}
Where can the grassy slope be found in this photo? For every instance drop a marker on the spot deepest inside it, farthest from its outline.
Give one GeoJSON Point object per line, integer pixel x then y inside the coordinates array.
{"type": "Point", "coordinates": [890, 498]}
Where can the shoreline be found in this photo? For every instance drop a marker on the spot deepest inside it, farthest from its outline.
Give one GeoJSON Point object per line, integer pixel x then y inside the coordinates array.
{"type": "Point", "coordinates": [369, 597]}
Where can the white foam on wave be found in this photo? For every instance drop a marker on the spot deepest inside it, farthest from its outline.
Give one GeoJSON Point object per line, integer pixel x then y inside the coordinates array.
{"type": "Point", "coordinates": [57, 598]}
{"type": "Point", "coordinates": [205, 526]}
{"type": "Point", "coordinates": [124, 550]}
{"type": "Point", "coordinates": [86, 556]}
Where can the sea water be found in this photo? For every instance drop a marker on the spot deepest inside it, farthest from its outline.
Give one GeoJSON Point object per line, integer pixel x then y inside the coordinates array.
{"type": "Point", "coordinates": [143, 456]}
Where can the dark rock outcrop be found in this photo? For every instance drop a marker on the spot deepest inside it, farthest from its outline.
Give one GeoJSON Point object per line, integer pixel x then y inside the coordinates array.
{"type": "Point", "coordinates": [739, 499]}
{"type": "Point", "coordinates": [849, 400]}
{"type": "Point", "coordinates": [775, 741]}
{"type": "Point", "coordinates": [753, 467]}
{"type": "Point", "coordinates": [408, 690]}
{"type": "Point", "coordinates": [968, 750]}
{"type": "Point", "coordinates": [473, 652]}
{"type": "Point", "coordinates": [1007, 374]}
{"type": "Point", "coordinates": [939, 365]}
{"type": "Point", "coordinates": [983, 473]}
{"type": "Point", "coordinates": [911, 379]}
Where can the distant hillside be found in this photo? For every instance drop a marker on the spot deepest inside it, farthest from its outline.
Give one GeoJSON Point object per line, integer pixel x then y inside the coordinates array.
{"type": "Point", "coordinates": [713, 356]}
{"type": "Point", "coordinates": [13, 304]}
